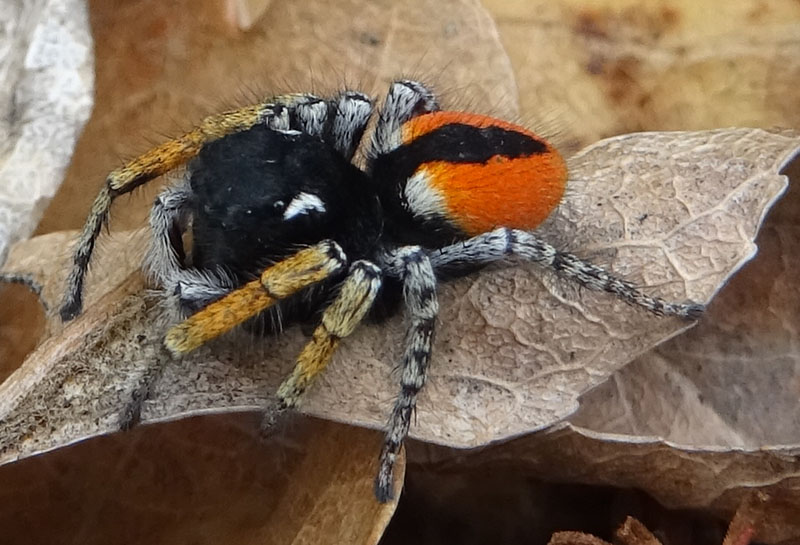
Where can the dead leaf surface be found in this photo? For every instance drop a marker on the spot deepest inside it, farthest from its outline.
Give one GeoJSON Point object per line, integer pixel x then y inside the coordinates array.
{"type": "Point", "coordinates": [712, 415]}
{"type": "Point", "coordinates": [730, 385]}
{"type": "Point", "coordinates": [715, 482]}
{"type": "Point", "coordinates": [206, 480]}
{"type": "Point", "coordinates": [604, 70]}
{"type": "Point", "coordinates": [675, 212]}
{"type": "Point", "coordinates": [735, 379]}
{"type": "Point", "coordinates": [633, 532]}
{"type": "Point", "coordinates": [606, 67]}
{"type": "Point", "coordinates": [47, 70]}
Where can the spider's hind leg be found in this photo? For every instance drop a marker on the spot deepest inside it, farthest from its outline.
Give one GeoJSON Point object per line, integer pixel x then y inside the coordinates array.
{"type": "Point", "coordinates": [422, 306]}
{"type": "Point", "coordinates": [502, 243]}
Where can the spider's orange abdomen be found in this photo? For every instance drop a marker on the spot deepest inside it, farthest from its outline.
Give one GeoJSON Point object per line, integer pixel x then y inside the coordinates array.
{"type": "Point", "coordinates": [479, 173]}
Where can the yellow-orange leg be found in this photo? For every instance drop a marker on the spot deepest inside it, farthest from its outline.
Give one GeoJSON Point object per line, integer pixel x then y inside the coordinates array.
{"type": "Point", "coordinates": [339, 320]}
{"type": "Point", "coordinates": [306, 267]}
{"type": "Point", "coordinates": [153, 164]}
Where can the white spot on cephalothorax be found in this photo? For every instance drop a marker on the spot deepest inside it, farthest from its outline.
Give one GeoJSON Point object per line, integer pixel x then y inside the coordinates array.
{"type": "Point", "coordinates": [287, 132]}
{"type": "Point", "coordinates": [303, 203]}
{"type": "Point", "coordinates": [423, 199]}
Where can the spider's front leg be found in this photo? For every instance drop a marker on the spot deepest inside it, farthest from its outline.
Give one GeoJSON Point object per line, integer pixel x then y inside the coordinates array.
{"type": "Point", "coordinates": [308, 266]}
{"type": "Point", "coordinates": [413, 266]}
{"type": "Point", "coordinates": [502, 243]}
{"type": "Point", "coordinates": [339, 320]}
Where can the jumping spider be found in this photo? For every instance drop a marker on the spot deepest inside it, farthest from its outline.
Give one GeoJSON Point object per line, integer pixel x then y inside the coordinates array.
{"type": "Point", "coordinates": [283, 222]}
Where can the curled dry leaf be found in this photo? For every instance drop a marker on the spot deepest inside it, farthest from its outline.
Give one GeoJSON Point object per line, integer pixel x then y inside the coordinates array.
{"type": "Point", "coordinates": [632, 532]}
{"type": "Point", "coordinates": [723, 396]}
{"type": "Point", "coordinates": [575, 538]}
{"type": "Point", "coordinates": [728, 387]}
{"type": "Point", "coordinates": [715, 480]}
{"type": "Point", "coordinates": [675, 212]}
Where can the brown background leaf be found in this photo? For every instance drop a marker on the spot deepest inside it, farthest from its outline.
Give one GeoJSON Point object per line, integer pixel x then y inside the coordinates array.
{"type": "Point", "coordinates": [618, 66]}
{"type": "Point", "coordinates": [209, 480]}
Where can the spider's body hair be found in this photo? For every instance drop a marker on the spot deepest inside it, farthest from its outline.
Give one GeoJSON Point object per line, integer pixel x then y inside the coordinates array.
{"type": "Point", "coordinates": [285, 229]}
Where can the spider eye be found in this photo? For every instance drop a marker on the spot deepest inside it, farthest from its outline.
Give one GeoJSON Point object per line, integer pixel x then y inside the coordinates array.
{"type": "Point", "coordinates": [303, 204]}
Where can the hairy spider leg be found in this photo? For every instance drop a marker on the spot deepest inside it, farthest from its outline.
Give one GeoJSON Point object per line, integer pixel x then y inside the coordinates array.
{"type": "Point", "coordinates": [351, 114]}
{"type": "Point", "coordinates": [169, 217]}
{"type": "Point", "coordinates": [406, 99]}
{"type": "Point", "coordinates": [340, 121]}
{"type": "Point", "coordinates": [156, 162]}
{"type": "Point", "coordinates": [339, 320]}
{"type": "Point", "coordinates": [419, 293]}
{"type": "Point", "coordinates": [503, 242]}
{"type": "Point", "coordinates": [308, 266]}
{"type": "Point", "coordinates": [191, 288]}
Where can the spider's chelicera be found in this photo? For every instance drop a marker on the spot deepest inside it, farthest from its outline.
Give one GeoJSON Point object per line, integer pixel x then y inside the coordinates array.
{"type": "Point", "coordinates": [286, 229]}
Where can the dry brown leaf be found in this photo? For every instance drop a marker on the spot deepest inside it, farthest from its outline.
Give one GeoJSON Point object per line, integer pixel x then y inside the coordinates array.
{"type": "Point", "coordinates": [733, 381]}
{"type": "Point", "coordinates": [206, 480]}
{"type": "Point", "coordinates": [724, 396]}
{"type": "Point", "coordinates": [633, 532]}
{"type": "Point", "coordinates": [616, 66]}
{"type": "Point", "coordinates": [714, 480]}
{"type": "Point", "coordinates": [575, 538]}
{"type": "Point", "coordinates": [133, 98]}
{"type": "Point", "coordinates": [680, 222]}
{"type": "Point", "coordinates": [748, 519]}
{"type": "Point", "coordinates": [47, 71]}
